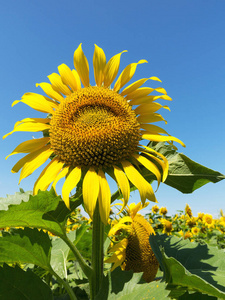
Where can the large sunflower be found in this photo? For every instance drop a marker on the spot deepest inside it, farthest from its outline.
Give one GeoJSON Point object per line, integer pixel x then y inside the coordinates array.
{"type": "Point", "coordinates": [94, 130]}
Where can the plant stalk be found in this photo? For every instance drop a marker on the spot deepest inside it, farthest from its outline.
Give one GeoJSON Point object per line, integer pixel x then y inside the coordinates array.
{"type": "Point", "coordinates": [97, 253]}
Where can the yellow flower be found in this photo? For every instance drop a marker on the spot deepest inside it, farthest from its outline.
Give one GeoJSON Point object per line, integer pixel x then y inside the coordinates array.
{"type": "Point", "coordinates": [167, 226]}
{"type": "Point", "coordinates": [208, 220]}
{"type": "Point", "coordinates": [191, 221]}
{"type": "Point", "coordinates": [131, 249]}
{"type": "Point", "coordinates": [93, 130]}
{"type": "Point", "coordinates": [200, 216]}
{"type": "Point", "coordinates": [188, 235]}
{"type": "Point", "coordinates": [163, 211]}
{"type": "Point", "coordinates": [155, 209]}
{"type": "Point", "coordinates": [195, 230]}
{"type": "Point", "coordinates": [188, 210]}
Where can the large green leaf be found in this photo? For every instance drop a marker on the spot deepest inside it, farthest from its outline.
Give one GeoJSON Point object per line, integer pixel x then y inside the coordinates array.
{"type": "Point", "coordinates": [123, 285]}
{"type": "Point", "coordinates": [185, 175]}
{"type": "Point", "coordinates": [190, 266]}
{"type": "Point", "coordinates": [26, 246]}
{"type": "Point", "coordinates": [45, 210]}
{"type": "Point", "coordinates": [16, 284]}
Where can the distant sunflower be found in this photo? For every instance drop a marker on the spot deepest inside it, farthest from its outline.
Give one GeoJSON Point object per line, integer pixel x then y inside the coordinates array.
{"type": "Point", "coordinates": [130, 246]}
{"type": "Point", "coordinates": [94, 130]}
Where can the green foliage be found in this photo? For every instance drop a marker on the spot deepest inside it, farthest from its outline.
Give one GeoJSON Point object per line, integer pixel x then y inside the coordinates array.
{"type": "Point", "coordinates": [185, 174]}
{"type": "Point", "coordinates": [190, 267]}
{"type": "Point", "coordinates": [26, 246]}
{"type": "Point", "coordinates": [16, 284]}
{"type": "Point", "coordinates": [123, 285]}
{"type": "Point", "coordinates": [45, 210]}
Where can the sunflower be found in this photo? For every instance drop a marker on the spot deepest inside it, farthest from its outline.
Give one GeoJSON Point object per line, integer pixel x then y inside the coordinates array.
{"type": "Point", "coordinates": [130, 246]}
{"type": "Point", "coordinates": [90, 131]}
{"type": "Point", "coordinates": [167, 226]}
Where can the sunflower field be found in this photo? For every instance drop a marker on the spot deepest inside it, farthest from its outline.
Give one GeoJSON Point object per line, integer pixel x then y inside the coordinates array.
{"type": "Point", "coordinates": [90, 133]}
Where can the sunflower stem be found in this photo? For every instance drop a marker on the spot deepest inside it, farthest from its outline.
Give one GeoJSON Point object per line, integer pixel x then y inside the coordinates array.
{"type": "Point", "coordinates": [97, 253]}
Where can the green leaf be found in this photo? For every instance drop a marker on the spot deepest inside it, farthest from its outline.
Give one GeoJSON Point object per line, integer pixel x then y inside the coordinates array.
{"type": "Point", "coordinates": [20, 285]}
{"type": "Point", "coordinates": [198, 268]}
{"type": "Point", "coordinates": [45, 210]}
{"type": "Point", "coordinates": [123, 285]}
{"type": "Point", "coordinates": [185, 175]}
{"type": "Point", "coordinates": [26, 246]}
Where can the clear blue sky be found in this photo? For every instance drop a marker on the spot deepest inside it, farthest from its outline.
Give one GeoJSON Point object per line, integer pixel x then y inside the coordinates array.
{"type": "Point", "coordinates": [183, 42]}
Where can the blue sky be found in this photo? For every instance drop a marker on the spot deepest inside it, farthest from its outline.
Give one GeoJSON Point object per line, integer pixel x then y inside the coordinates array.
{"type": "Point", "coordinates": [183, 42]}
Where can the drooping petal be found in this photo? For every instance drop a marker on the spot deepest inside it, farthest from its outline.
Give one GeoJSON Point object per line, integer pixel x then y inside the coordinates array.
{"type": "Point", "coordinates": [62, 174]}
{"type": "Point", "coordinates": [111, 69]}
{"type": "Point", "coordinates": [133, 86]}
{"type": "Point", "coordinates": [123, 183]}
{"type": "Point", "coordinates": [30, 166]}
{"type": "Point", "coordinates": [141, 92]}
{"type": "Point", "coordinates": [161, 138]}
{"type": "Point", "coordinates": [28, 158]}
{"type": "Point", "coordinates": [149, 165]}
{"type": "Point", "coordinates": [149, 108]}
{"type": "Point", "coordinates": [163, 163]}
{"type": "Point", "coordinates": [104, 197]}
{"type": "Point", "coordinates": [68, 77]}
{"type": "Point", "coordinates": [155, 78]}
{"type": "Point", "coordinates": [58, 85]}
{"type": "Point", "coordinates": [126, 75]}
{"type": "Point", "coordinates": [161, 90]}
{"type": "Point", "coordinates": [37, 102]}
{"type": "Point", "coordinates": [90, 191]}
{"type": "Point", "coordinates": [48, 175]}
{"type": "Point", "coordinates": [150, 118]}
{"type": "Point", "coordinates": [71, 181]}
{"type": "Point", "coordinates": [119, 254]}
{"type": "Point", "coordinates": [144, 188]}
{"type": "Point", "coordinates": [47, 88]}
{"type": "Point", "coordinates": [81, 65]}
{"type": "Point", "coordinates": [29, 125]}
{"type": "Point", "coordinates": [30, 146]}
{"type": "Point", "coordinates": [99, 63]}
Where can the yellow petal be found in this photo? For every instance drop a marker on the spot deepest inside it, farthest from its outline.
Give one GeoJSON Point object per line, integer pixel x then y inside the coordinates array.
{"type": "Point", "coordinates": [71, 181]}
{"type": "Point", "coordinates": [90, 191]}
{"type": "Point", "coordinates": [123, 183]}
{"type": "Point", "coordinates": [149, 165]}
{"type": "Point", "coordinates": [163, 163]}
{"type": "Point", "coordinates": [161, 138]}
{"type": "Point", "coordinates": [153, 129]}
{"type": "Point", "coordinates": [28, 126]}
{"type": "Point", "coordinates": [141, 184]}
{"type": "Point", "coordinates": [134, 86]}
{"type": "Point", "coordinates": [155, 78]}
{"type": "Point", "coordinates": [77, 79]}
{"type": "Point", "coordinates": [30, 146]}
{"type": "Point", "coordinates": [34, 163]}
{"type": "Point", "coordinates": [99, 63]}
{"type": "Point", "coordinates": [104, 197]}
{"type": "Point", "coordinates": [126, 75]}
{"type": "Point", "coordinates": [62, 174]}
{"type": "Point", "coordinates": [141, 92]}
{"type": "Point", "coordinates": [161, 90]}
{"type": "Point", "coordinates": [48, 175]}
{"type": "Point", "coordinates": [148, 99]}
{"type": "Point", "coordinates": [37, 102]}
{"type": "Point", "coordinates": [68, 77]}
{"type": "Point", "coordinates": [149, 108]}
{"type": "Point", "coordinates": [111, 69]}
{"type": "Point", "coordinates": [150, 118]}
{"type": "Point", "coordinates": [58, 85]}
{"type": "Point", "coordinates": [81, 65]}
{"type": "Point", "coordinates": [47, 88]}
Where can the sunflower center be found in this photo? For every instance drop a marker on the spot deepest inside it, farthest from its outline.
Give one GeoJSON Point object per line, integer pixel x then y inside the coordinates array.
{"type": "Point", "coordinates": [94, 127]}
